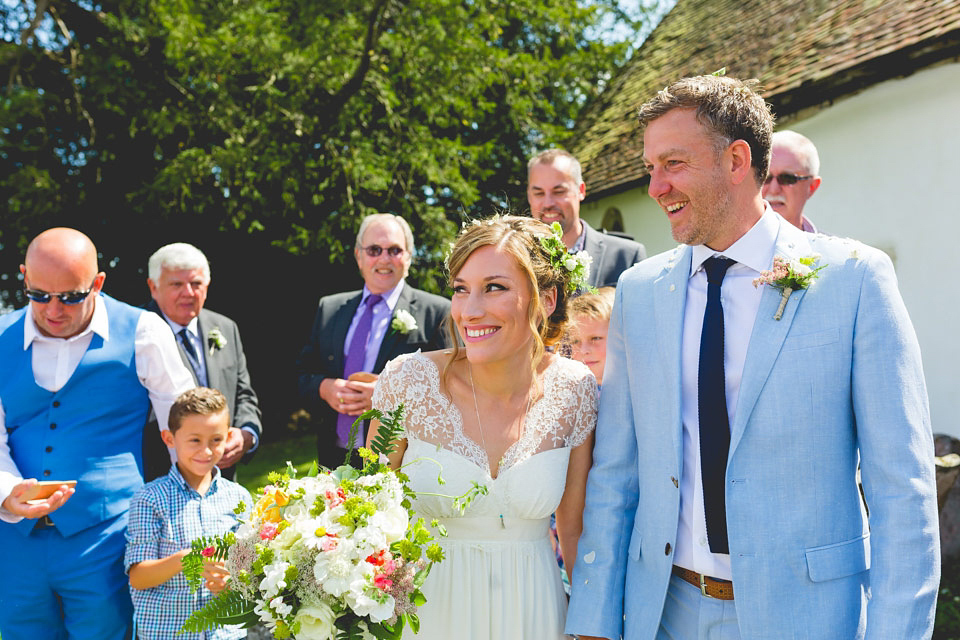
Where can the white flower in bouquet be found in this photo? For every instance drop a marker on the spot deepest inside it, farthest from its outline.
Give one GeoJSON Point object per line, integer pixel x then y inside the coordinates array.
{"type": "Point", "coordinates": [316, 621]}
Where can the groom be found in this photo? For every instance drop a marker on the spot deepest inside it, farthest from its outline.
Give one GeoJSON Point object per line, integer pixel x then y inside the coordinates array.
{"type": "Point", "coordinates": [723, 500]}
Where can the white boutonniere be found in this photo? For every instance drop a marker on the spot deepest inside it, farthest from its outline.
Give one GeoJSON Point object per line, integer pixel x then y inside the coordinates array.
{"type": "Point", "coordinates": [789, 276]}
{"type": "Point", "coordinates": [403, 322]}
{"type": "Point", "coordinates": [215, 340]}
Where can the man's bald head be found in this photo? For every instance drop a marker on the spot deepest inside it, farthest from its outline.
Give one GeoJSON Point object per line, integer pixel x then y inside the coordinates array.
{"type": "Point", "coordinates": [62, 260]}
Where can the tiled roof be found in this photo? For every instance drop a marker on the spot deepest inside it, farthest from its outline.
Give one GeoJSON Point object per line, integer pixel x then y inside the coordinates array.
{"type": "Point", "coordinates": [804, 52]}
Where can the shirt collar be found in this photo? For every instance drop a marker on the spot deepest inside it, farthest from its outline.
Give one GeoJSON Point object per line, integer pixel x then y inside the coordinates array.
{"type": "Point", "coordinates": [754, 249]}
{"type": "Point", "coordinates": [390, 297]}
{"type": "Point", "coordinates": [99, 324]}
{"type": "Point", "coordinates": [807, 224]}
{"type": "Point", "coordinates": [581, 242]}
{"type": "Point", "coordinates": [192, 327]}
{"type": "Point", "coordinates": [178, 478]}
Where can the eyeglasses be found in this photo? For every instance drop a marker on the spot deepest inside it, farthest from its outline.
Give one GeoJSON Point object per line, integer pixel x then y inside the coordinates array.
{"type": "Point", "coordinates": [67, 297]}
{"type": "Point", "coordinates": [785, 179]}
{"type": "Point", "coordinates": [375, 250]}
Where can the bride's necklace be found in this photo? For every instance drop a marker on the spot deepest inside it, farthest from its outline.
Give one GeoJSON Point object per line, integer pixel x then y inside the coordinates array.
{"type": "Point", "coordinates": [476, 406]}
{"type": "Point", "coordinates": [523, 424]}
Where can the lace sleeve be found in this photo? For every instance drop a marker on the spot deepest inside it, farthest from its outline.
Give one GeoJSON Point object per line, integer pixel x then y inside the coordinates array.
{"type": "Point", "coordinates": [584, 418]}
{"type": "Point", "coordinates": [388, 393]}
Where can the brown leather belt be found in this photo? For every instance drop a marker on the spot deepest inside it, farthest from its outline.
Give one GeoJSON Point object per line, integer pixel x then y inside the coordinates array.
{"type": "Point", "coordinates": [710, 587]}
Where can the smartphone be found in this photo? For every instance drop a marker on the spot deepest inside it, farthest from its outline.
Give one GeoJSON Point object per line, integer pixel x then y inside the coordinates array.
{"type": "Point", "coordinates": [45, 489]}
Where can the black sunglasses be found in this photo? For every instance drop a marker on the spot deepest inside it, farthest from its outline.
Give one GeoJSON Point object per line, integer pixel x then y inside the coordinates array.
{"type": "Point", "coordinates": [375, 250]}
{"type": "Point", "coordinates": [67, 297]}
{"type": "Point", "coordinates": [785, 179]}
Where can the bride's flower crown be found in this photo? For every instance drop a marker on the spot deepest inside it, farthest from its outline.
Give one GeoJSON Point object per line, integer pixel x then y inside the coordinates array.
{"type": "Point", "coordinates": [575, 265]}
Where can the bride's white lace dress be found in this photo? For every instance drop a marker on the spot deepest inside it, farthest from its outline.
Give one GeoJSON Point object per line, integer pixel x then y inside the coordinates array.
{"type": "Point", "coordinates": [500, 578]}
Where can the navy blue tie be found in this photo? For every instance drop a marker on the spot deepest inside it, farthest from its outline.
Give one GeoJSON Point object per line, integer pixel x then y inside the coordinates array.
{"type": "Point", "coordinates": [712, 406]}
{"type": "Point", "coordinates": [192, 357]}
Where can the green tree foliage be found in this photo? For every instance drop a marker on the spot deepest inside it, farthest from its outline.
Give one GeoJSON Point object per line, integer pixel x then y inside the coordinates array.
{"type": "Point", "coordinates": [263, 130]}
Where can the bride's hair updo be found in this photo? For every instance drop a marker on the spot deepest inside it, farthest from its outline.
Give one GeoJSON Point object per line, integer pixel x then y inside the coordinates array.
{"type": "Point", "coordinates": [519, 237]}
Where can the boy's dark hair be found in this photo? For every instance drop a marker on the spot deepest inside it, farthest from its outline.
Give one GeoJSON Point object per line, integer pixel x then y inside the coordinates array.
{"type": "Point", "coordinates": [199, 401]}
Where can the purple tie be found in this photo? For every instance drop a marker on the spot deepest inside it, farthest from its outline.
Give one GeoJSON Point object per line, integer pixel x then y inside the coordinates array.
{"type": "Point", "coordinates": [356, 354]}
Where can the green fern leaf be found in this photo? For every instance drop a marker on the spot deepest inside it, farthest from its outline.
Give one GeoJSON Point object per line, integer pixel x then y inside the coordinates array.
{"type": "Point", "coordinates": [227, 608]}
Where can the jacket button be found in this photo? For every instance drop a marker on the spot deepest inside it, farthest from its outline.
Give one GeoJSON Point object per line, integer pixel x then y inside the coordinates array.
{"type": "Point", "coordinates": [330, 357]}
{"type": "Point", "coordinates": [56, 403]}
{"type": "Point", "coordinates": [49, 449]}
{"type": "Point", "coordinates": [46, 472]}
{"type": "Point", "coordinates": [673, 479]}
{"type": "Point", "coordinates": [53, 425]}
{"type": "Point", "coordinates": [666, 550]}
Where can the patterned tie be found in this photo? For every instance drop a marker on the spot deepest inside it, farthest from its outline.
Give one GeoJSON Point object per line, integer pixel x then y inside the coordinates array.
{"type": "Point", "coordinates": [712, 405]}
{"type": "Point", "coordinates": [192, 357]}
{"type": "Point", "coordinates": [356, 355]}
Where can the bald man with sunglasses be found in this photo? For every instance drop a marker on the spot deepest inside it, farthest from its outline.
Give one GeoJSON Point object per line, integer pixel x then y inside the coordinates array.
{"type": "Point", "coordinates": [79, 375]}
{"type": "Point", "coordinates": [793, 177]}
{"type": "Point", "coordinates": [356, 333]}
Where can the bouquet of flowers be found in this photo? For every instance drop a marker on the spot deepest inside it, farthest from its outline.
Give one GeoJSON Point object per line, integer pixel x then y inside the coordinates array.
{"type": "Point", "coordinates": [335, 554]}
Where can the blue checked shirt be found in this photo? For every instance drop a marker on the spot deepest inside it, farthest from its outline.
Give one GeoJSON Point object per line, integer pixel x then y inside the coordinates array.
{"type": "Point", "coordinates": [166, 515]}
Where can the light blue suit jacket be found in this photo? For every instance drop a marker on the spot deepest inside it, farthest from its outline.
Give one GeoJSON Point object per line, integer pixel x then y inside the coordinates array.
{"type": "Point", "coordinates": [838, 379]}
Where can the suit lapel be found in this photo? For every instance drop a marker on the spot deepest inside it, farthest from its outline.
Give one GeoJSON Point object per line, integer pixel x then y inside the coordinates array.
{"type": "Point", "coordinates": [593, 244]}
{"type": "Point", "coordinates": [768, 334]}
{"type": "Point", "coordinates": [391, 338]}
{"type": "Point", "coordinates": [669, 298]}
{"type": "Point", "coordinates": [212, 361]}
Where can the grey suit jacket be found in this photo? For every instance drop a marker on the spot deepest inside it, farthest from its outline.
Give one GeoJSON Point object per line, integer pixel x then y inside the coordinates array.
{"type": "Point", "coordinates": [322, 356]}
{"type": "Point", "coordinates": [226, 372]}
{"type": "Point", "coordinates": [611, 255]}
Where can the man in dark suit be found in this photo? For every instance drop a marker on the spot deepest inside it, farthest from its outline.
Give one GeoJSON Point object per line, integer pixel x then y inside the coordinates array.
{"type": "Point", "coordinates": [356, 333]}
{"type": "Point", "coordinates": [555, 189]}
{"type": "Point", "coordinates": [210, 346]}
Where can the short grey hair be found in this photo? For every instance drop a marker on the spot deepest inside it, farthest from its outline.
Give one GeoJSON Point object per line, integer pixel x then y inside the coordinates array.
{"type": "Point", "coordinates": [550, 156]}
{"type": "Point", "coordinates": [375, 217]}
{"type": "Point", "coordinates": [178, 255]}
{"type": "Point", "coordinates": [801, 145]}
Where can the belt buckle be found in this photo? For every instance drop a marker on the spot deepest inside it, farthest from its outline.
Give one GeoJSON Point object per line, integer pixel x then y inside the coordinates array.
{"type": "Point", "coordinates": [703, 586]}
{"type": "Point", "coordinates": [45, 521]}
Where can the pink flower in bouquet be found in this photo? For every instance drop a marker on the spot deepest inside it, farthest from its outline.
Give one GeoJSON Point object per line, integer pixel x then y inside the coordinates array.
{"type": "Point", "coordinates": [329, 543]}
{"type": "Point", "coordinates": [269, 531]}
{"type": "Point", "coordinates": [336, 498]}
{"type": "Point", "coordinates": [382, 582]}
{"type": "Point", "coordinates": [208, 552]}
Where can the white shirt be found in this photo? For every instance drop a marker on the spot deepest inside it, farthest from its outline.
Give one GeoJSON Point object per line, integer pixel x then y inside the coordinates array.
{"type": "Point", "coordinates": [382, 313]}
{"type": "Point", "coordinates": [753, 253]}
{"type": "Point", "coordinates": [158, 363]}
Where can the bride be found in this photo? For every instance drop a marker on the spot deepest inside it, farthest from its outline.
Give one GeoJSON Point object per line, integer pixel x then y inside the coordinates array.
{"type": "Point", "coordinates": [502, 412]}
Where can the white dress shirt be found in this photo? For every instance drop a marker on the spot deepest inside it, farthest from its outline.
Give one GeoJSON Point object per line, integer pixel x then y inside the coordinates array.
{"type": "Point", "coordinates": [753, 253]}
{"type": "Point", "coordinates": [158, 363]}
{"type": "Point", "coordinates": [382, 313]}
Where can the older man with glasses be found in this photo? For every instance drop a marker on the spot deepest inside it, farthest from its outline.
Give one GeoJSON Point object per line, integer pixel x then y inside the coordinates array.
{"type": "Point", "coordinates": [356, 333]}
{"type": "Point", "coordinates": [793, 177]}
{"type": "Point", "coordinates": [79, 375]}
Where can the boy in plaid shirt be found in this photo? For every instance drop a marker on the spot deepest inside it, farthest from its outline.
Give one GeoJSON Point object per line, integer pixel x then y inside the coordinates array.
{"type": "Point", "coordinates": [166, 515]}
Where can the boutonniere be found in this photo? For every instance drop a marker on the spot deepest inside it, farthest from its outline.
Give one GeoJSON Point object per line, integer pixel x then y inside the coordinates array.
{"type": "Point", "coordinates": [403, 322]}
{"type": "Point", "coordinates": [789, 276]}
{"type": "Point", "coordinates": [215, 340]}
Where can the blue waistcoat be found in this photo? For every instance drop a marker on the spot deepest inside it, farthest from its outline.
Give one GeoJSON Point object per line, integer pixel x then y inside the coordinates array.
{"type": "Point", "coordinates": [89, 431]}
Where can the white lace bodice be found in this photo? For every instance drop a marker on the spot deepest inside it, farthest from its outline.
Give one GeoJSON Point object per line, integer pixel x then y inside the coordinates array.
{"type": "Point", "coordinates": [563, 416]}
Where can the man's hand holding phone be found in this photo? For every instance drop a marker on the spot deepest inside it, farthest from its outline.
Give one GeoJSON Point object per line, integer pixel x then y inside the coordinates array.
{"type": "Point", "coordinates": [32, 499]}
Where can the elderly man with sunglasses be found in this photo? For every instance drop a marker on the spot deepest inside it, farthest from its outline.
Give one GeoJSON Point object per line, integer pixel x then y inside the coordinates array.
{"type": "Point", "coordinates": [793, 177]}
{"type": "Point", "coordinates": [79, 375]}
{"type": "Point", "coordinates": [356, 333]}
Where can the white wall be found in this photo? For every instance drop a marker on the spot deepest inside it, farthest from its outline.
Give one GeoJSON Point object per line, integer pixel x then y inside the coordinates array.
{"type": "Point", "coordinates": [890, 161]}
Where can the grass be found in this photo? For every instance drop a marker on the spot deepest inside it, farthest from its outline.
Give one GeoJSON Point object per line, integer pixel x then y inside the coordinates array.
{"type": "Point", "coordinates": [273, 456]}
